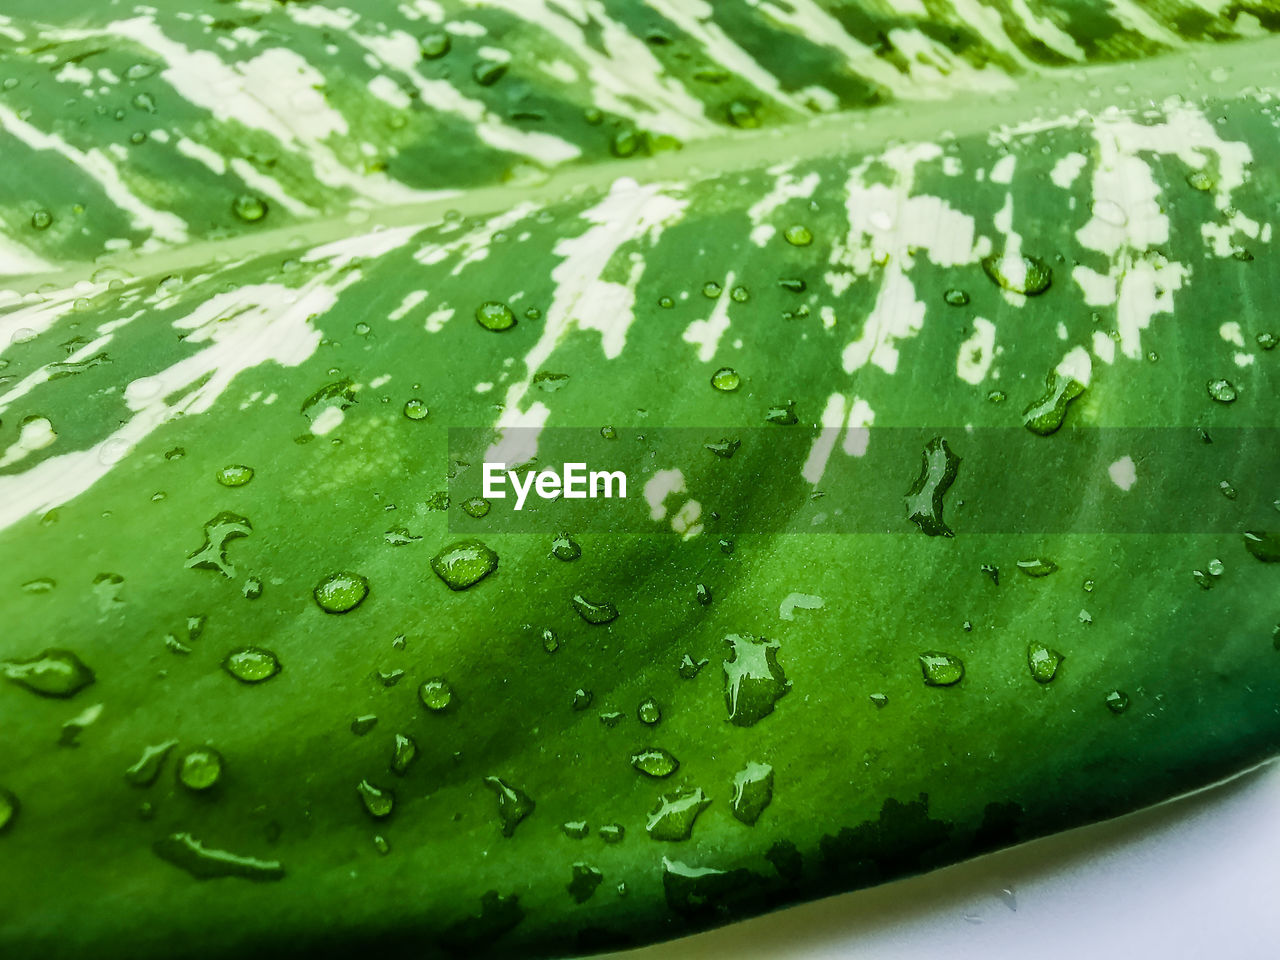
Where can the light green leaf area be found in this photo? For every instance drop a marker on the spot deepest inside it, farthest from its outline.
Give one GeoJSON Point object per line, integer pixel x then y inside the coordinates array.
{"type": "Point", "coordinates": [871, 704]}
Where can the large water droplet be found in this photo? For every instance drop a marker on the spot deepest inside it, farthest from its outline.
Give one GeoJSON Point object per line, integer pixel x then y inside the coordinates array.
{"type": "Point", "coordinates": [416, 409]}
{"type": "Point", "coordinates": [798, 235]}
{"type": "Point", "coordinates": [752, 791]}
{"type": "Point", "coordinates": [495, 316]}
{"type": "Point", "coordinates": [51, 673]}
{"type": "Point", "coordinates": [672, 819]}
{"type": "Point", "coordinates": [341, 592]}
{"type": "Point", "coordinates": [200, 769]}
{"type": "Point", "coordinates": [235, 475]}
{"type": "Point", "coordinates": [938, 467]}
{"type": "Point", "coordinates": [185, 851]}
{"type": "Point", "coordinates": [464, 563]}
{"type": "Point", "coordinates": [726, 380]}
{"type": "Point", "coordinates": [594, 612]}
{"type": "Point", "coordinates": [251, 664]}
{"type": "Point", "coordinates": [941, 669]}
{"type": "Point", "coordinates": [513, 804]}
{"type": "Point", "coordinates": [655, 762]}
{"type": "Point", "coordinates": [1018, 274]}
{"type": "Point", "coordinates": [753, 680]}
{"type": "Point", "coordinates": [1043, 662]}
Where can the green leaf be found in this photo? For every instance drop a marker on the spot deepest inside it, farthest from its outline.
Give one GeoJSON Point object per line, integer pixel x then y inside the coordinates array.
{"type": "Point", "coordinates": [910, 326]}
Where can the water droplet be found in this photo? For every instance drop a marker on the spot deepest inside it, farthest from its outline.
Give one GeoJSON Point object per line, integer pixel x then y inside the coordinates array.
{"type": "Point", "coordinates": [753, 679]}
{"type": "Point", "coordinates": [185, 851]}
{"type": "Point", "coordinates": [594, 612]}
{"type": "Point", "coordinates": [550, 642]}
{"type": "Point", "coordinates": [608, 432]}
{"type": "Point", "coordinates": [672, 819]}
{"type": "Point", "coordinates": [1201, 180]}
{"type": "Point", "coordinates": [584, 882]}
{"type": "Point", "coordinates": [235, 475]}
{"type": "Point", "coordinates": [742, 114]}
{"type": "Point", "coordinates": [475, 507]}
{"type": "Point", "coordinates": [1215, 567]}
{"type": "Point", "coordinates": [726, 380]}
{"type": "Point", "coordinates": [624, 143]}
{"type": "Point", "coordinates": [200, 769]}
{"type": "Point", "coordinates": [1018, 274]}
{"type": "Point", "coordinates": [488, 72]}
{"type": "Point", "coordinates": [249, 208]}
{"type": "Point", "coordinates": [648, 711]}
{"type": "Point", "coordinates": [1264, 546]}
{"type": "Point", "coordinates": [1037, 567]}
{"type": "Point", "coordinates": [436, 694]}
{"type": "Point", "coordinates": [711, 290]}
{"type": "Point", "coordinates": [495, 316]}
{"type": "Point", "coordinates": [341, 592]}
{"type": "Point", "coordinates": [252, 588]}
{"type": "Point", "coordinates": [611, 718]}
{"type": "Point", "coordinates": [611, 832]}
{"type": "Point", "coordinates": [724, 448]}
{"type": "Point", "coordinates": [9, 807]}
{"type": "Point", "coordinates": [655, 762]}
{"type": "Point", "coordinates": [938, 467]}
{"type": "Point", "coordinates": [416, 409]}
{"type": "Point", "coordinates": [1117, 701]}
{"type": "Point", "coordinates": [1267, 340]}
{"type": "Point", "coordinates": [41, 220]}
{"type": "Point", "coordinates": [1227, 489]}
{"type": "Point", "coordinates": [146, 770]}
{"type": "Point", "coordinates": [564, 548]}
{"type": "Point", "coordinates": [399, 537]}
{"type": "Point", "coordinates": [39, 585]}
{"type": "Point", "coordinates": [434, 45]}
{"type": "Point", "coordinates": [575, 829]}
{"type": "Point", "coordinates": [513, 804]}
{"type": "Point", "coordinates": [51, 673]}
{"type": "Point", "coordinates": [251, 664]}
{"type": "Point", "coordinates": [218, 532]}
{"type": "Point", "coordinates": [1043, 662]}
{"type": "Point", "coordinates": [403, 754]}
{"type": "Point", "coordinates": [783, 414]}
{"type": "Point", "coordinates": [378, 801]}
{"type": "Point", "coordinates": [363, 724]}
{"type": "Point", "coordinates": [1045, 416]}
{"type": "Point", "coordinates": [798, 235]}
{"type": "Point", "coordinates": [582, 699]}
{"type": "Point", "coordinates": [464, 563]}
{"type": "Point", "coordinates": [666, 303]}
{"type": "Point", "coordinates": [941, 669]}
{"type": "Point", "coordinates": [740, 294]}
{"type": "Point", "coordinates": [1224, 391]}
{"type": "Point", "coordinates": [752, 792]}
{"type": "Point", "coordinates": [380, 844]}
{"type": "Point", "coordinates": [879, 700]}
{"type": "Point", "coordinates": [956, 298]}
{"type": "Point", "coordinates": [689, 667]}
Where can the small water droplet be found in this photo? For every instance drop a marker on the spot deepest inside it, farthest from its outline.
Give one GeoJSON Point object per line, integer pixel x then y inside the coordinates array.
{"type": "Point", "coordinates": [1043, 662]}
{"type": "Point", "coordinates": [550, 642]}
{"type": "Point", "coordinates": [752, 792]}
{"type": "Point", "coordinates": [464, 563]}
{"type": "Point", "coordinates": [41, 220]}
{"type": "Point", "coordinates": [488, 72]}
{"type": "Point", "coordinates": [513, 804]}
{"type": "Point", "coordinates": [9, 807]}
{"type": "Point", "coordinates": [798, 235]}
{"type": "Point", "coordinates": [1018, 274]}
{"type": "Point", "coordinates": [648, 711]}
{"type": "Point", "coordinates": [611, 832]}
{"type": "Point", "coordinates": [185, 851]}
{"type": "Point", "coordinates": [1264, 546]}
{"type": "Point", "coordinates": [475, 507]}
{"type": "Point", "coordinates": [200, 769]}
{"type": "Point", "coordinates": [1117, 701]}
{"type": "Point", "coordinates": [1046, 415]}
{"type": "Point", "coordinates": [496, 316]}
{"type": "Point", "coordinates": [403, 754]}
{"type": "Point", "coordinates": [711, 290]}
{"type": "Point", "coordinates": [235, 475]}
{"type": "Point", "coordinates": [585, 880]}
{"type": "Point", "coordinates": [655, 762]}
{"type": "Point", "coordinates": [564, 548]}
{"type": "Point", "coordinates": [1224, 391]}
{"type": "Point", "coordinates": [689, 667]}
{"type": "Point", "coordinates": [1201, 180]}
{"type": "Point", "coordinates": [146, 769]}
{"type": "Point", "coordinates": [941, 669]}
{"type": "Point", "coordinates": [575, 829]}
{"type": "Point", "coordinates": [594, 612]}
{"type": "Point", "coordinates": [251, 664]}
{"type": "Point", "coordinates": [364, 723]}
{"type": "Point", "coordinates": [434, 45]}
{"type": "Point", "coordinates": [582, 699]}
{"type": "Point", "coordinates": [783, 414]}
{"type": "Point", "coordinates": [879, 700]}
{"type": "Point", "coordinates": [416, 409]}
{"type": "Point", "coordinates": [740, 294]}
{"type": "Point", "coordinates": [956, 298]}
{"type": "Point", "coordinates": [436, 694]}
{"type": "Point", "coordinates": [666, 303]}
{"type": "Point", "coordinates": [378, 802]}
{"type": "Point", "coordinates": [726, 380]}
{"type": "Point", "coordinates": [249, 208]}
{"type": "Point", "coordinates": [1037, 567]}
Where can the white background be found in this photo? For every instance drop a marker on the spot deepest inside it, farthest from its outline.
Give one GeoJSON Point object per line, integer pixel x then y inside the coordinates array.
{"type": "Point", "coordinates": [1195, 878]}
